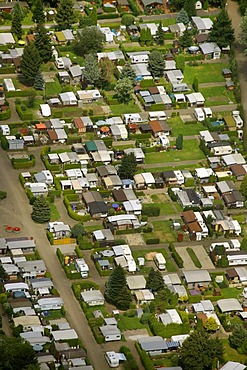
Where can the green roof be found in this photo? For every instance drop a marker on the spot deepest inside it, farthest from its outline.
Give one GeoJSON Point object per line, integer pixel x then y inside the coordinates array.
{"type": "Point", "coordinates": [90, 146]}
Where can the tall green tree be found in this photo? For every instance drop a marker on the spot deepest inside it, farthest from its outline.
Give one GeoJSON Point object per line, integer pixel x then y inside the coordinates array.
{"type": "Point", "coordinates": [107, 70]}
{"type": "Point", "coordinates": [16, 354]}
{"type": "Point", "coordinates": [242, 6]}
{"type": "Point", "coordinates": [160, 35]}
{"type": "Point", "coordinates": [128, 19]}
{"type": "Point", "coordinates": [43, 43]}
{"type": "Point", "coordinates": [156, 63]}
{"type": "Point", "coordinates": [243, 35]}
{"type": "Point", "coordinates": [124, 90]}
{"type": "Point", "coordinates": [91, 72]}
{"type": "Point", "coordinates": [19, 10]}
{"type": "Point", "coordinates": [41, 210]}
{"type": "Point", "coordinates": [243, 187]}
{"type": "Point", "coordinates": [186, 39]}
{"type": "Point", "coordinates": [155, 280]}
{"type": "Point", "coordinates": [222, 32]}
{"type": "Point", "coordinates": [210, 324]}
{"type": "Point", "coordinates": [39, 82]}
{"type": "Point", "coordinates": [183, 17]}
{"type": "Point", "coordinates": [238, 336]}
{"type": "Point", "coordinates": [200, 352]}
{"type": "Point", "coordinates": [146, 37]}
{"type": "Point", "coordinates": [116, 289]}
{"type": "Point", "coordinates": [38, 12]}
{"type": "Point", "coordinates": [190, 7]}
{"type": "Point", "coordinates": [89, 39]}
{"type": "Point", "coordinates": [30, 63]}
{"type": "Point", "coordinates": [77, 230]}
{"type": "Point", "coordinates": [179, 142]}
{"type": "Point", "coordinates": [16, 27]}
{"type": "Point", "coordinates": [66, 15]}
{"type": "Point", "coordinates": [127, 71]}
{"type": "Point", "coordinates": [128, 166]}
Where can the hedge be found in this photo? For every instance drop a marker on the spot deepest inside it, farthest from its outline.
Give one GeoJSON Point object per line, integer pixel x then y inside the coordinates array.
{"type": "Point", "coordinates": [84, 285]}
{"type": "Point", "coordinates": [68, 273]}
{"type": "Point", "coordinates": [51, 167]}
{"type": "Point", "coordinates": [153, 241]}
{"type": "Point", "coordinates": [74, 215]}
{"type": "Point", "coordinates": [30, 196]}
{"type": "Point", "coordinates": [108, 16]}
{"type": "Point", "coordinates": [5, 115]}
{"type": "Point", "coordinates": [109, 9]}
{"type": "Point", "coordinates": [169, 330]}
{"type": "Point", "coordinates": [176, 256]}
{"type": "Point", "coordinates": [145, 359]}
{"type": "Point", "coordinates": [7, 70]}
{"type": "Point", "coordinates": [22, 180]}
{"type": "Point", "coordinates": [128, 231]}
{"type": "Point", "coordinates": [131, 363]}
{"type": "Point", "coordinates": [25, 116]}
{"type": "Point", "coordinates": [20, 163]}
{"type": "Point", "coordinates": [157, 107]}
{"type": "Point", "coordinates": [19, 93]}
{"type": "Point", "coordinates": [51, 239]}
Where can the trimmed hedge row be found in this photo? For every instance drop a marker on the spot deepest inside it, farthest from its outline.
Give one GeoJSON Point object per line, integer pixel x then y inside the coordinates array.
{"type": "Point", "coordinates": [19, 93]}
{"type": "Point", "coordinates": [145, 359]}
{"type": "Point", "coordinates": [5, 115]}
{"type": "Point", "coordinates": [75, 275]}
{"type": "Point", "coordinates": [20, 163]}
{"type": "Point", "coordinates": [131, 363]}
{"type": "Point", "coordinates": [23, 115]}
{"type": "Point", "coordinates": [51, 167]}
{"type": "Point", "coordinates": [176, 256]}
{"type": "Point", "coordinates": [153, 241]}
{"type": "Point", "coordinates": [72, 214]}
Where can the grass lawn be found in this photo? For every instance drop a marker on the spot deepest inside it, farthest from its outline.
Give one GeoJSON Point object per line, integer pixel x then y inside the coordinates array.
{"type": "Point", "coordinates": [125, 108]}
{"type": "Point", "coordinates": [129, 323]}
{"type": "Point", "coordinates": [194, 258]}
{"type": "Point", "coordinates": [53, 88]}
{"type": "Point", "coordinates": [92, 228]}
{"type": "Point", "coordinates": [73, 57]}
{"type": "Point", "coordinates": [54, 315]}
{"type": "Point", "coordinates": [217, 95]}
{"type": "Point", "coordinates": [178, 127]}
{"type": "Point", "coordinates": [54, 213]}
{"type": "Point", "coordinates": [161, 230]}
{"type": "Point", "coordinates": [190, 151]}
{"type": "Point", "coordinates": [165, 204]}
{"type": "Point", "coordinates": [230, 354]}
{"type": "Point", "coordinates": [231, 292]}
{"type": "Point", "coordinates": [176, 166]}
{"type": "Point", "coordinates": [205, 73]}
{"type": "Point", "coordinates": [170, 265]}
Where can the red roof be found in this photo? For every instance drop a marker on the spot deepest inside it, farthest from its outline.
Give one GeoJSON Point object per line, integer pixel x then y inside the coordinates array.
{"type": "Point", "coordinates": [52, 135]}
{"type": "Point", "coordinates": [41, 126]}
{"type": "Point", "coordinates": [78, 123]}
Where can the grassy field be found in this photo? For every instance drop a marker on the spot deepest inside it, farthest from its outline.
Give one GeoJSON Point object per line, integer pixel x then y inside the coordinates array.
{"type": "Point", "coordinates": [178, 127]}
{"type": "Point", "coordinates": [55, 215]}
{"type": "Point", "coordinates": [125, 108]}
{"type": "Point", "coordinates": [129, 323]}
{"type": "Point", "coordinates": [53, 88]}
{"type": "Point", "coordinates": [170, 265]}
{"type": "Point", "coordinates": [205, 72]}
{"type": "Point", "coordinates": [231, 354]}
{"type": "Point", "coordinates": [92, 228]}
{"type": "Point", "coordinates": [165, 204]}
{"type": "Point", "coordinates": [231, 292]}
{"type": "Point", "coordinates": [161, 230]}
{"type": "Point", "coordinates": [176, 166]}
{"type": "Point", "coordinates": [217, 95]}
{"type": "Point", "coordinates": [190, 151]}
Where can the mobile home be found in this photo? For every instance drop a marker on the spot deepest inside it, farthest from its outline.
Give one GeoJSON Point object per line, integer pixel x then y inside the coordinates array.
{"type": "Point", "coordinates": [199, 114]}
{"type": "Point", "coordinates": [160, 261]}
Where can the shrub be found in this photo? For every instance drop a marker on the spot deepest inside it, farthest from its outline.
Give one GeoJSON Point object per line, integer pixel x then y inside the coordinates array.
{"type": "Point", "coordinates": [145, 359]}
{"type": "Point", "coordinates": [131, 363]}
{"type": "Point", "coordinates": [3, 194]}
{"type": "Point", "coordinates": [21, 163]}
{"type": "Point", "coordinates": [5, 115]}
{"type": "Point", "coordinates": [176, 256]}
{"type": "Point", "coordinates": [153, 241]}
{"type": "Point", "coordinates": [50, 238]}
{"type": "Point", "coordinates": [4, 143]}
{"type": "Point", "coordinates": [150, 210]}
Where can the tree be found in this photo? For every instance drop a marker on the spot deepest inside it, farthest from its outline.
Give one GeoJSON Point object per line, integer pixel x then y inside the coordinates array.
{"type": "Point", "coordinates": [77, 230]}
{"type": "Point", "coordinates": [38, 12]}
{"type": "Point", "coordinates": [190, 7]}
{"type": "Point", "coordinates": [39, 82]}
{"type": "Point", "coordinates": [43, 43]}
{"type": "Point", "coordinates": [124, 90]}
{"type": "Point", "coordinates": [239, 335]}
{"type": "Point", "coordinates": [242, 6]}
{"type": "Point", "coordinates": [243, 245]}
{"type": "Point", "coordinates": [199, 352]}
{"type": "Point", "coordinates": [89, 20]}
{"type": "Point", "coordinates": [195, 84]}
{"type": "Point", "coordinates": [210, 324]}
{"type": "Point", "coordinates": [128, 19]}
{"type": "Point", "coordinates": [18, 9]}
{"type": "Point", "coordinates": [107, 69]}
{"type": "Point", "coordinates": [155, 280]}
{"type": "Point", "coordinates": [16, 28]}
{"type": "Point", "coordinates": [41, 210]}
{"type": "Point", "coordinates": [180, 62]}
{"type": "Point", "coordinates": [179, 142]}
{"type": "Point", "coordinates": [30, 63]}
{"type": "Point", "coordinates": [156, 63]}
{"type": "Point", "coordinates": [243, 187]}
{"type": "Point", "coordinates": [91, 72]}
{"type": "Point", "coordinates": [127, 71]}
{"type": "Point", "coordinates": [243, 35]}
{"type": "Point", "coordinates": [186, 39]}
{"type": "Point", "coordinates": [16, 354]}
{"type": "Point", "coordinates": [128, 166]}
{"type": "Point", "coordinates": [146, 37]}
{"type": "Point", "coordinates": [65, 16]}
{"type": "Point", "coordinates": [160, 35]}
{"type": "Point", "coordinates": [116, 289]}
{"type": "Point", "coordinates": [183, 17]}
{"type": "Point", "coordinates": [89, 39]}
{"type": "Point", "coordinates": [222, 22]}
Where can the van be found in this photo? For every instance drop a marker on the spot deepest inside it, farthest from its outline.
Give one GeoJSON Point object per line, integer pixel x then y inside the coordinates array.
{"type": "Point", "coordinates": [5, 130]}
{"type": "Point", "coordinates": [160, 261]}
{"type": "Point", "coordinates": [199, 114]}
{"type": "Point", "coordinates": [160, 115]}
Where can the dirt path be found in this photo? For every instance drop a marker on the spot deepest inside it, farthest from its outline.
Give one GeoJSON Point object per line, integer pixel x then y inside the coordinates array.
{"type": "Point", "coordinates": [15, 210]}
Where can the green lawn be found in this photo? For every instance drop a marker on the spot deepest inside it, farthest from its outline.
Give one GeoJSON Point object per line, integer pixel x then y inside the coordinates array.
{"type": "Point", "coordinates": [176, 166]}
{"type": "Point", "coordinates": [53, 88]}
{"type": "Point", "coordinates": [54, 213]}
{"type": "Point", "coordinates": [73, 57]}
{"type": "Point", "coordinates": [194, 258]}
{"type": "Point", "coordinates": [165, 204]}
{"type": "Point", "coordinates": [119, 109]}
{"type": "Point", "coordinates": [231, 292]}
{"type": "Point", "coordinates": [186, 129]}
{"type": "Point", "coordinates": [161, 230]}
{"type": "Point", "coordinates": [54, 315]}
{"type": "Point", "coordinates": [129, 323]}
{"type": "Point", "coordinates": [190, 151]}
{"type": "Point", "coordinates": [205, 72]}
{"type": "Point", "coordinates": [217, 95]}
{"type": "Point", "coordinates": [170, 265]}
{"type": "Point", "coordinates": [231, 354]}
{"type": "Point", "coordinates": [92, 228]}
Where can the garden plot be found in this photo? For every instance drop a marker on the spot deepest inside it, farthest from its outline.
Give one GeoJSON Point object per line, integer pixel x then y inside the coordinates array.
{"type": "Point", "coordinates": [187, 118]}
{"type": "Point", "coordinates": [135, 334]}
{"type": "Point", "coordinates": [134, 239]}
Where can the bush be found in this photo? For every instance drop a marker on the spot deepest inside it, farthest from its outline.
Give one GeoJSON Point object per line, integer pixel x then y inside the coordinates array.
{"type": "Point", "coordinates": [21, 163]}
{"type": "Point", "coordinates": [147, 83]}
{"type": "Point", "coordinates": [176, 256]}
{"type": "Point", "coordinates": [5, 115]}
{"type": "Point", "coordinates": [145, 359]}
{"type": "Point", "coordinates": [131, 363]}
{"type": "Point", "coordinates": [23, 115]}
{"type": "Point", "coordinates": [4, 143]}
{"type": "Point", "coordinates": [108, 16]}
{"type": "Point", "coordinates": [22, 180]}
{"type": "Point", "coordinates": [51, 239]}
{"type": "Point", "coordinates": [150, 210]}
{"type": "Point", "coordinates": [3, 194]}
{"type": "Point", "coordinates": [153, 241]}
{"type": "Point", "coordinates": [7, 70]}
